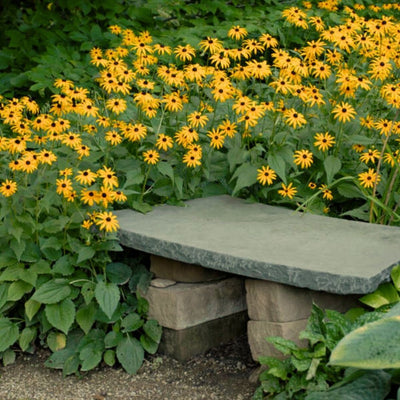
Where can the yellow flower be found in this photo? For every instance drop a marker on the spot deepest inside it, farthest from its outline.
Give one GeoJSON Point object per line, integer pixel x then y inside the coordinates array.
{"type": "Point", "coordinates": [64, 186]}
{"type": "Point", "coordinates": [288, 191]}
{"type": "Point", "coordinates": [89, 197]}
{"type": "Point", "coordinates": [192, 159]}
{"type": "Point", "coordinates": [164, 142]}
{"type": "Point", "coordinates": [344, 112]}
{"type": "Point", "coordinates": [237, 32]}
{"type": "Point", "coordinates": [86, 177]}
{"type": "Point", "coordinates": [117, 106]}
{"type": "Point", "coordinates": [294, 118]}
{"type": "Point", "coordinates": [185, 53]}
{"type": "Point", "coordinates": [196, 119]}
{"type": "Point", "coordinates": [370, 156]}
{"type": "Point", "coordinates": [107, 221]}
{"type": "Point", "coordinates": [217, 138]}
{"type": "Point", "coordinates": [8, 188]}
{"type": "Point", "coordinates": [304, 158]}
{"type": "Point", "coordinates": [327, 194]}
{"type": "Point", "coordinates": [266, 175]}
{"type": "Point", "coordinates": [369, 178]}
{"type": "Point", "coordinates": [151, 156]}
{"type": "Point", "coordinates": [323, 141]}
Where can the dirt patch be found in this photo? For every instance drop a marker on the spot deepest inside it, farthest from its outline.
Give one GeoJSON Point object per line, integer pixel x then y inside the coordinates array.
{"type": "Point", "coordinates": [222, 373]}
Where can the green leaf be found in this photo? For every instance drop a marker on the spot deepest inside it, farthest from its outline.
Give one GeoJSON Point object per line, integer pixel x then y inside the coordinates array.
{"type": "Point", "coordinates": [52, 292]}
{"type": "Point", "coordinates": [85, 317]}
{"type": "Point", "coordinates": [349, 190]}
{"type": "Point", "coordinates": [385, 294]}
{"type": "Point", "coordinates": [18, 248]}
{"type": "Point", "coordinates": [8, 357]}
{"type": "Point", "coordinates": [277, 163]}
{"type": "Point", "coordinates": [395, 275]}
{"type": "Point", "coordinates": [31, 308]}
{"type": "Point", "coordinates": [109, 357]}
{"type": "Point", "coordinates": [64, 266]}
{"type": "Point", "coordinates": [112, 339]}
{"type": "Point", "coordinates": [372, 346]}
{"type": "Point", "coordinates": [107, 295]}
{"type": "Point", "coordinates": [3, 293]}
{"type": "Point", "coordinates": [87, 291]}
{"type": "Point", "coordinates": [17, 290]}
{"type": "Point", "coordinates": [51, 248]}
{"type": "Point", "coordinates": [118, 273]}
{"type": "Point", "coordinates": [332, 166]}
{"type": "Point", "coordinates": [90, 358]}
{"type": "Point", "coordinates": [130, 354]}
{"type": "Point", "coordinates": [371, 385]}
{"type": "Point", "coordinates": [246, 176]}
{"type": "Point", "coordinates": [71, 365]}
{"type": "Point", "coordinates": [148, 344]}
{"type": "Point", "coordinates": [131, 322]}
{"type": "Point", "coordinates": [56, 341]}
{"type": "Point", "coordinates": [153, 330]}
{"type": "Point", "coordinates": [27, 336]}
{"type": "Point", "coordinates": [165, 168]}
{"type": "Point", "coordinates": [32, 253]}
{"type": "Point", "coordinates": [9, 333]}
{"type": "Point", "coordinates": [61, 315]}
{"type": "Point", "coordinates": [85, 253]}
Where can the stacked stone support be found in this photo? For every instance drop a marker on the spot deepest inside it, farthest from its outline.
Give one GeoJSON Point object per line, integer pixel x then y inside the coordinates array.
{"type": "Point", "coordinates": [198, 308]}
{"type": "Point", "coordinates": [276, 309]}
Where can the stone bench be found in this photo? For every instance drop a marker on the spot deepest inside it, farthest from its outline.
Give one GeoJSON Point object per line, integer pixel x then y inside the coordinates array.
{"type": "Point", "coordinates": [218, 256]}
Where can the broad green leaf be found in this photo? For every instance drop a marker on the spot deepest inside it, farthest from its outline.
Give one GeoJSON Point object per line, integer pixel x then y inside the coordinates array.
{"type": "Point", "coordinates": [130, 354]}
{"type": "Point", "coordinates": [85, 317]}
{"type": "Point", "coordinates": [90, 358]}
{"type": "Point", "coordinates": [349, 190]}
{"type": "Point", "coordinates": [332, 166]}
{"type": "Point", "coordinates": [28, 276]}
{"type": "Point", "coordinates": [61, 315]}
{"type": "Point", "coordinates": [372, 346]}
{"type": "Point", "coordinates": [236, 155]}
{"type": "Point", "coordinates": [56, 341]}
{"type": "Point", "coordinates": [369, 385]}
{"type": "Point", "coordinates": [112, 339]}
{"type": "Point", "coordinates": [109, 357]}
{"type": "Point", "coordinates": [31, 308]}
{"type": "Point", "coordinates": [165, 168]}
{"type": "Point", "coordinates": [71, 365]}
{"type": "Point", "coordinates": [118, 273]}
{"type": "Point", "coordinates": [8, 357]}
{"type": "Point", "coordinates": [277, 163]}
{"type": "Point", "coordinates": [32, 253]}
{"type": "Point", "coordinates": [26, 337]}
{"type": "Point", "coordinates": [64, 266]}
{"type": "Point", "coordinates": [85, 253]}
{"type": "Point", "coordinates": [131, 322]}
{"type": "Point", "coordinates": [3, 293]}
{"type": "Point", "coordinates": [16, 232]}
{"type": "Point", "coordinates": [87, 291]}
{"type": "Point", "coordinates": [395, 275]}
{"type": "Point", "coordinates": [7, 258]}
{"type": "Point", "coordinates": [41, 267]}
{"type": "Point", "coordinates": [11, 273]}
{"type": "Point", "coordinates": [17, 290]}
{"type": "Point", "coordinates": [148, 344]}
{"type": "Point", "coordinates": [18, 248]}
{"type": "Point", "coordinates": [9, 333]}
{"type": "Point", "coordinates": [51, 248]}
{"type": "Point", "coordinates": [107, 295]}
{"type": "Point", "coordinates": [153, 329]}
{"type": "Point", "coordinates": [246, 176]}
{"type": "Point", "coordinates": [385, 294]}
{"type": "Point", "coordinates": [52, 292]}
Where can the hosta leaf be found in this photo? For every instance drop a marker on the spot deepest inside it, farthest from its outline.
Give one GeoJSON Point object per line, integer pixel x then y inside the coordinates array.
{"type": "Point", "coordinates": [27, 336]}
{"type": "Point", "coordinates": [85, 317]}
{"type": "Point", "coordinates": [9, 333]}
{"type": "Point", "coordinates": [31, 308]}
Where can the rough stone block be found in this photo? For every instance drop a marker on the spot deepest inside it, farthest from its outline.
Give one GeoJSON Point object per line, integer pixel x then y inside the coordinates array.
{"type": "Point", "coordinates": [271, 301]}
{"type": "Point", "coordinates": [188, 304]}
{"type": "Point", "coordinates": [186, 343]}
{"type": "Point", "coordinates": [258, 331]}
{"type": "Point", "coordinates": [178, 271]}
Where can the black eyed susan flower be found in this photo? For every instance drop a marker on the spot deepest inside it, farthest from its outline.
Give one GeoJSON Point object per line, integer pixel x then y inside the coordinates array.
{"type": "Point", "coordinates": [197, 119]}
{"type": "Point", "coordinates": [368, 179]}
{"type": "Point", "coordinates": [344, 112]}
{"type": "Point", "coordinates": [370, 156]}
{"type": "Point", "coordinates": [294, 118]}
{"type": "Point", "coordinates": [86, 177]}
{"type": "Point", "coordinates": [105, 196]}
{"type": "Point", "coordinates": [64, 186]}
{"type": "Point", "coordinates": [151, 157]}
{"type": "Point", "coordinates": [8, 188]}
{"type": "Point", "coordinates": [164, 142]}
{"type": "Point", "coordinates": [192, 159]}
{"type": "Point", "coordinates": [185, 53]}
{"type": "Point", "coordinates": [90, 197]}
{"type": "Point", "coordinates": [217, 138]}
{"type": "Point", "coordinates": [113, 137]}
{"type": "Point", "coordinates": [266, 175]}
{"type": "Point", "coordinates": [119, 196]}
{"type": "Point", "coordinates": [107, 221]}
{"type": "Point", "coordinates": [117, 106]}
{"type": "Point", "coordinates": [303, 158]}
{"type": "Point", "coordinates": [47, 157]}
{"type": "Point", "coordinates": [312, 185]}
{"type": "Point", "coordinates": [288, 190]}
{"type": "Point", "coordinates": [324, 141]}
{"type": "Point", "coordinates": [213, 45]}
{"type": "Point", "coordinates": [237, 32]}
{"type": "Point", "coordinates": [326, 193]}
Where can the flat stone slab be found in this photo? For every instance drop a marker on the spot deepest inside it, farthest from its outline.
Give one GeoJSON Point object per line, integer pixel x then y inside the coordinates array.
{"type": "Point", "coordinates": [267, 242]}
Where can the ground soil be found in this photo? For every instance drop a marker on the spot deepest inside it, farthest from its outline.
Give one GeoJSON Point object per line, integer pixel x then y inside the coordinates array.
{"type": "Point", "coordinates": [222, 373]}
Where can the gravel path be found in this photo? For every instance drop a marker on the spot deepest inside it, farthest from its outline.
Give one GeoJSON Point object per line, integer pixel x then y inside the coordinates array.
{"type": "Point", "coordinates": [223, 374]}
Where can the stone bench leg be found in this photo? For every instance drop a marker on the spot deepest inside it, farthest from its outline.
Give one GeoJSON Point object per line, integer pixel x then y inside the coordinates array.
{"type": "Point", "coordinates": [276, 309]}
{"type": "Point", "coordinates": [202, 310]}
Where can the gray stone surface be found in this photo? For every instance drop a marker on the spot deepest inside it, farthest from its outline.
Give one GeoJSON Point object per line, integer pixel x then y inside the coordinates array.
{"type": "Point", "coordinates": [258, 331]}
{"type": "Point", "coordinates": [276, 302]}
{"type": "Point", "coordinates": [266, 242]}
{"type": "Point", "coordinates": [186, 343]}
{"type": "Point", "coordinates": [188, 304]}
{"type": "Point", "coordinates": [179, 271]}
{"type": "Point", "coordinates": [162, 283]}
